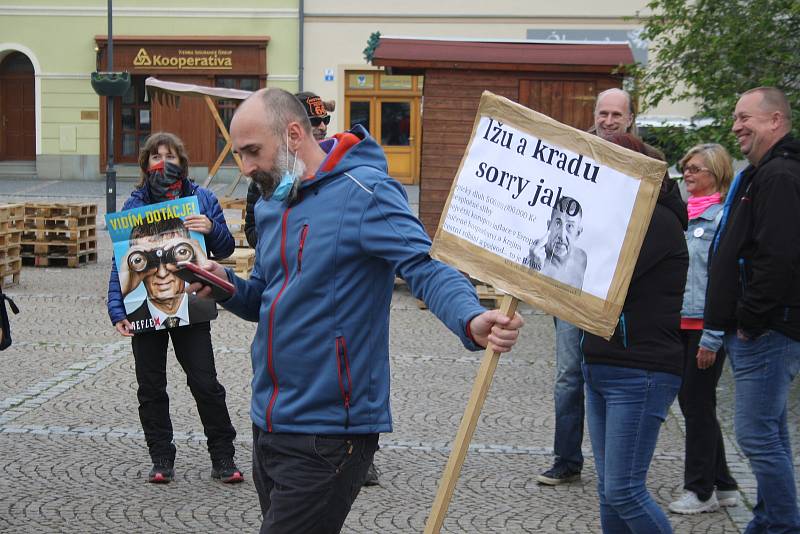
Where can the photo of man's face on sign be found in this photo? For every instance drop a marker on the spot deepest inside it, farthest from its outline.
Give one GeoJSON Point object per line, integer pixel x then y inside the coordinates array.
{"type": "Point", "coordinates": [547, 213]}
{"type": "Point", "coordinates": [155, 250]}
{"type": "Point", "coordinates": [147, 261]}
{"type": "Point", "coordinates": [557, 254]}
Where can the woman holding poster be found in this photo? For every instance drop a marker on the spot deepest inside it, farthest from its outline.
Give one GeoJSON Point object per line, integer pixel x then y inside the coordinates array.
{"type": "Point", "coordinates": [633, 378]}
{"type": "Point", "coordinates": [160, 239]}
{"type": "Point", "coordinates": [707, 172]}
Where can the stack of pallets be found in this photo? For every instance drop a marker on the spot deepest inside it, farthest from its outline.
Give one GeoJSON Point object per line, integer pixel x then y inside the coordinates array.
{"type": "Point", "coordinates": [58, 234]}
{"type": "Point", "coordinates": [243, 258]}
{"type": "Point", "coordinates": [234, 217]}
{"type": "Point", "coordinates": [241, 261]}
{"type": "Point", "coordinates": [12, 221]}
{"type": "Point", "coordinates": [489, 296]}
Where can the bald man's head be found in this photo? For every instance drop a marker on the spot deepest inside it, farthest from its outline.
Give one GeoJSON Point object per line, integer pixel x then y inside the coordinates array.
{"type": "Point", "coordinates": [613, 113]}
{"type": "Point", "coordinates": [277, 107]}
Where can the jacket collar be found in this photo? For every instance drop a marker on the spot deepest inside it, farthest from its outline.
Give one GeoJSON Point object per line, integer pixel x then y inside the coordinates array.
{"type": "Point", "coordinates": [786, 146]}
{"type": "Point", "coordinates": [711, 212]}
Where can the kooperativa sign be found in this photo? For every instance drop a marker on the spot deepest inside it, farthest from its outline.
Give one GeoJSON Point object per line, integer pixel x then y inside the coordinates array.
{"type": "Point", "coordinates": [186, 59]}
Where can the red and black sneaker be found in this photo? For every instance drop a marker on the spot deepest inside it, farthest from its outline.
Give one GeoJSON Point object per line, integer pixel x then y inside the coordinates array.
{"type": "Point", "coordinates": [226, 471]}
{"type": "Point", "coordinates": [162, 471]}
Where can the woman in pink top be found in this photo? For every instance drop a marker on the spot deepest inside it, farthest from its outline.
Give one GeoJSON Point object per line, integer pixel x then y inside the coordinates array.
{"type": "Point", "coordinates": [707, 172]}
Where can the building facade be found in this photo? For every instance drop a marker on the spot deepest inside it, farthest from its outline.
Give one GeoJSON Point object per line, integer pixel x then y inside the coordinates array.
{"type": "Point", "coordinates": [53, 123]}
{"type": "Point", "coordinates": [335, 35]}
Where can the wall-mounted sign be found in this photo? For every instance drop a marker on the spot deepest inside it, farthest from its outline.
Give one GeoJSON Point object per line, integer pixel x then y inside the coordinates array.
{"type": "Point", "coordinates": [329, 75]}
{"type": "Point", "coordinates": [185, 59]}
{"type": "Point", "coordinates": [187, 55]}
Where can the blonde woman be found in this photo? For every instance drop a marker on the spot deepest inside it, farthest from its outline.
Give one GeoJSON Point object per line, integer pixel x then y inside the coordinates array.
{"type": "Point", "coordinates": [708, 484]}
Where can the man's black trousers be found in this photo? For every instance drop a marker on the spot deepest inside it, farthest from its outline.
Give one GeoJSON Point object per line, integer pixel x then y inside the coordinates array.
{"type": "Point", "coordinates": [306, 482]}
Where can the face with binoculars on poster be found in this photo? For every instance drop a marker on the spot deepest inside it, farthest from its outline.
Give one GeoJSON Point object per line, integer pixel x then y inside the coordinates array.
{"type": "Point", "coordinates": [154, 260]}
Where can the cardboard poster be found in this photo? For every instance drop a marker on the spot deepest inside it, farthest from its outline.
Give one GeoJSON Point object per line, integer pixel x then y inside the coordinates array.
{"type": "Point", "coordinates": [148, 243]}
{"type": "Point", "coordinates": [549, 214]}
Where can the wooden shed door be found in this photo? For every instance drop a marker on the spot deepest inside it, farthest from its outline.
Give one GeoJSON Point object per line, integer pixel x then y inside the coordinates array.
{"type": "Point", "coordinates": [567, 101]}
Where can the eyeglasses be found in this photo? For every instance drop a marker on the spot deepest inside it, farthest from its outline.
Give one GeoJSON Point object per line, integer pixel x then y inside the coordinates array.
{"type": "Point", "coordinates": [694, 169]}
{"type": "Point", "coordinates": [315, 121]}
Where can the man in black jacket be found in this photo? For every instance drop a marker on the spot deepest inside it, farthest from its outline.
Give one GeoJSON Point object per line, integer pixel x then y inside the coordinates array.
{"type": "Point", "coordinates": [754, 298]}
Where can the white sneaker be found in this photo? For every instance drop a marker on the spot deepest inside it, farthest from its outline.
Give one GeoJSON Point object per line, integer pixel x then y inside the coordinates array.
{"type": "Point", "coordinates": [690, 504]}
{"type": "Point", "coordinates": [727, 498]}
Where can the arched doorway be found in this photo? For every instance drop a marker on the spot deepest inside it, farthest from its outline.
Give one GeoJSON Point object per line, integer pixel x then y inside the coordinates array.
{"type": "Point", "coordinates": [17, 108]}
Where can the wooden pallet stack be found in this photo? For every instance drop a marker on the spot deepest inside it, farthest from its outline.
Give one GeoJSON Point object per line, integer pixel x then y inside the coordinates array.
{"type": "Point", "coordinates": [243, 258]}
{"type": "Point", "coordinates": [59, 234]}
{"type": "Point", "coordinates": [241, 261]}
{"type": "Point", "coordinates": [12, 222]}
{"type": "Point", "coordinates": [236, 221]}
{"type": "Point", "coordinates": [489, 296]}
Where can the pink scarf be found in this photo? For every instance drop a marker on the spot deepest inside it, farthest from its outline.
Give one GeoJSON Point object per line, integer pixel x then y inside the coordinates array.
{"type": "Point", "coordinates": [697, 205]}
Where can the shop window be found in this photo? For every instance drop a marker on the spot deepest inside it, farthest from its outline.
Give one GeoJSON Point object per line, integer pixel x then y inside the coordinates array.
{"type": "Point", "coordinates": [226, 108]}
{"type": "Point", "coordinates": [360, 114]}
{"type": "Point", "coordinates": [133, 120]}
{"type": "Point", "coordinates": [395, 123]}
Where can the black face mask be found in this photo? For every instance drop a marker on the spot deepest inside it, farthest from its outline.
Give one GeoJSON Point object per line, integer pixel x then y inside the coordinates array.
{"type": "Point", "coordinates": [165, 181]}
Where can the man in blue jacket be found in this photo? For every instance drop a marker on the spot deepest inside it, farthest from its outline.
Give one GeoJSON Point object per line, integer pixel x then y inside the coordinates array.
{"type": "Point", "coordinates": [333, 230]}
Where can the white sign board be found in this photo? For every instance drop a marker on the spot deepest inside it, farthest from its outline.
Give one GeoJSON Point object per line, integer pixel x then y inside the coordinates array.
{"type": "Point", "coordinates": [549, 214]}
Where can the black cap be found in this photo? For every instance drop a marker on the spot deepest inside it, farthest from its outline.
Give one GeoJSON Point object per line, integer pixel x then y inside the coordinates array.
{"type": "Point", "coordinates": [314, 105]}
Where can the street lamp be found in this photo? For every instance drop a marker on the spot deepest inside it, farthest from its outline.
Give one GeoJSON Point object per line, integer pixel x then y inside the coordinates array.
{"type": "Point", "coordinates": [110, 84]}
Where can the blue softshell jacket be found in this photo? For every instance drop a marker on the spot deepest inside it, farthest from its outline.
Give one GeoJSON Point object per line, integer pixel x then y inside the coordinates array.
{"type": "Point", "coordinates": [219, 243]}
{"type": "Point", "coordinates": [321, 291]}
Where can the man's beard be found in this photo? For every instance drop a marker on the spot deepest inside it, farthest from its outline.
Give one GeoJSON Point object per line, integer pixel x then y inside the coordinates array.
{"type": "Point", "coordinates": [268, 180]}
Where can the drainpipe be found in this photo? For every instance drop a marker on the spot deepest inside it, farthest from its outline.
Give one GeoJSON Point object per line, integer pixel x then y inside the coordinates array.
{"type": "Point", "coordinates": [301, 23]}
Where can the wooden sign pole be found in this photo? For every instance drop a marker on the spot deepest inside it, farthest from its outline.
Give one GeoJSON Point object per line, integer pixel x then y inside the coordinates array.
{"type": "Point", "coordinates": [467, 428]}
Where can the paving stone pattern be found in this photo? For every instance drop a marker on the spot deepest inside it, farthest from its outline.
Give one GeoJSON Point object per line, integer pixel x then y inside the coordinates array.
{"type": "Point", "coordinates": [74, 457]}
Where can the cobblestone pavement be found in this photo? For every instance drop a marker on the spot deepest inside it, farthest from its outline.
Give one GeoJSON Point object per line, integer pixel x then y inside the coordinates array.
{"type": "Point", "coordinates": [74, 457]}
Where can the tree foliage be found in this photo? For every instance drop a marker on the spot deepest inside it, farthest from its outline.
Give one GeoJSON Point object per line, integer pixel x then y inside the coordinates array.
{"type": "Point", "coordinates": [710, 51]}
{"type": "Point", "coordinates": [372, 44]}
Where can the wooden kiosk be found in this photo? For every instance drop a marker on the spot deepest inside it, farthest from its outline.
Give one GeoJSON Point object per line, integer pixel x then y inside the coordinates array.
{"type": "Point", "coordinates": [558, 78]}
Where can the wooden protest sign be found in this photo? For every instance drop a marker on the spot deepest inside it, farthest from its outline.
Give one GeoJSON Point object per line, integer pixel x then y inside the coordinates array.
{"type": "Point", "coordinates": [523, 169]}
{"type": "Point", "coordinates": [549, 215]}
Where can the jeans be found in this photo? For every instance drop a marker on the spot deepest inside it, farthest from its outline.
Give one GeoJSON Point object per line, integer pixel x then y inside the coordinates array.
{"type": "Point", "coordinates": [568, 396]}
{"type": "Point", "coordinates": [306, 482]}
{"type": "Point", "coordinates": [625, 409]}
{"type": "Point", "coordinates": [704, 463]}
{"type": "Point", "coordinates": [763, 370]}
{"type": "Point", "coordinates": [194, 352]}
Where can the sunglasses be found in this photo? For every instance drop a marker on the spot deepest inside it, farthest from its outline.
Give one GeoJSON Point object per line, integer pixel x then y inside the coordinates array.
{"type": "Point", "coordinates": [315, 121]}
